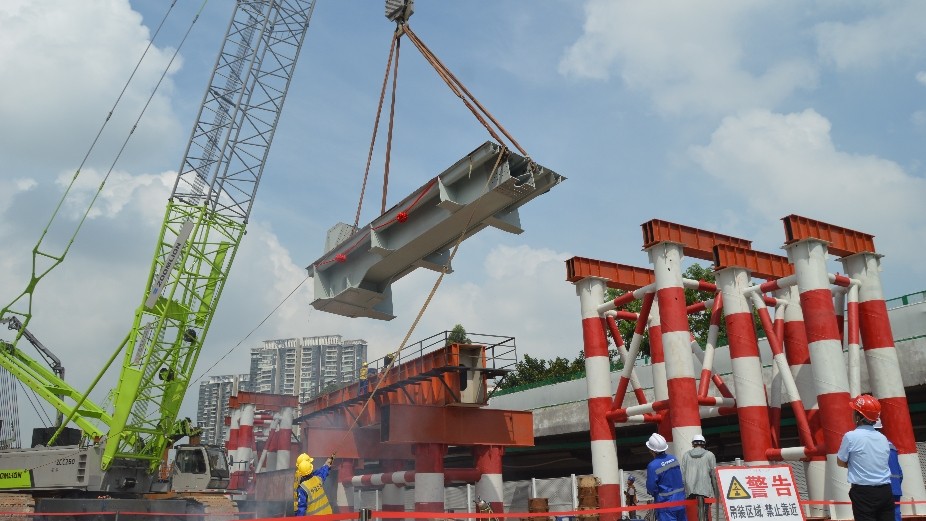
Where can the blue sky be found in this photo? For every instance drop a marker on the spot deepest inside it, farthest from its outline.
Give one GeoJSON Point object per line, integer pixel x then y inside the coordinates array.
{"type": "Point", "coordinates": [723, 115]}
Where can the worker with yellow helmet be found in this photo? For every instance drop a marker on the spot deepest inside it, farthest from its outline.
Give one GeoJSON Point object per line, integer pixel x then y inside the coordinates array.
{"type": "Point", "coordinates": [309, 496]}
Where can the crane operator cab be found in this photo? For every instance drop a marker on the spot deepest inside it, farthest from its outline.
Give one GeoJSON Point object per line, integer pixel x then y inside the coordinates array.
{"type": "Point", "coordinates": [198, 468]}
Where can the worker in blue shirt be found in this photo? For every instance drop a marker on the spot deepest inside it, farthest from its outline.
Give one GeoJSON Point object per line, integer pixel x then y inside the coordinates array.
{"type": "Point", "coordinates": [893, 463]}
{"type": "Point", "coordinates": [865, 452]}
{"type": "Point", "coordinates": [664, 480]}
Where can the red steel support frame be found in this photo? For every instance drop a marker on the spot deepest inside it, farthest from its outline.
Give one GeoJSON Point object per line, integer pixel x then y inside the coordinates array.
{"type": "Point", "coordinates": [696, 243]}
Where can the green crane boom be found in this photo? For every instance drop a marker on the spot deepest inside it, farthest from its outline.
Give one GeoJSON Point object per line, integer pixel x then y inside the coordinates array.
{"type": "Point", "coordinates": [203, 227]}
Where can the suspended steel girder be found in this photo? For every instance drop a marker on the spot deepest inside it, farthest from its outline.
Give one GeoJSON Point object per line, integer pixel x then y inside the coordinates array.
{"type": "Point", "coordinates": [354, 278]}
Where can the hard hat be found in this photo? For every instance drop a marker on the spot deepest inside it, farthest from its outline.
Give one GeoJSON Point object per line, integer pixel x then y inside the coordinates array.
{"type": "Point", "coordinates": [657, 443]}
{"type": "Point", "coordinates": [867, 405]}
{"type": "Point", "coordinates": [302, 457]}
{"type": "Point", "coordinates": [698, 438]}
{"type": "Point", "coordinates": [631, 479]}
{"type": "Point", "coordinates": [305, 468]}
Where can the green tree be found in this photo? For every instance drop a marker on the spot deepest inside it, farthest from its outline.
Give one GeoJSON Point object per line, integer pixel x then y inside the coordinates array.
{"type": "Point", "coordinates": [458, 335]}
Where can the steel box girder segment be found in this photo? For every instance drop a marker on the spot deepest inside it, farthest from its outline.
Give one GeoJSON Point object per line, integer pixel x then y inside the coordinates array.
{"type": "Point", "coordinates": [438, 364]}
{"type": "Point", "coordinates": [760, 264]}
{"type": "Point", "coordinates": [617, 276]}
{"type": "Point", "coordinates": [356, 443]}
{"type": "Point", "coordinates": [263, 401]}
{"type": "Point", "coordinates": [460, 201]}
{"type": "Point", "coordinates": [695, 243]}
{"type": "Point", "coordinates": [841, 241]}
{"type": "Point", "coordinates": [457, 426]}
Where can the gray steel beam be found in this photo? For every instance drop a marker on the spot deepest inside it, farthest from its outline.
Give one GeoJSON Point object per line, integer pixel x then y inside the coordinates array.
{"type": "Point", "coordinates": [354, 278]}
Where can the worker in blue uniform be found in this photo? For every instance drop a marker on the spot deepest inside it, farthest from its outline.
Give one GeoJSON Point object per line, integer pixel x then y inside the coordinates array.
{"type": "Point", "coordinates": [893, 464]}
{"type": "Point", "coordinates": [311, 497]}
{"type": "Point", "coordinates": [664, 480]}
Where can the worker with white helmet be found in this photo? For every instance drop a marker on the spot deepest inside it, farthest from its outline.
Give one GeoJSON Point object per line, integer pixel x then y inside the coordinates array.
{"type": "Point", "coordinates": [698, 466]}
{"type": "Point", "coordinates": [664, 480]}
{"type": "Point", "coordinates": [630, 492]}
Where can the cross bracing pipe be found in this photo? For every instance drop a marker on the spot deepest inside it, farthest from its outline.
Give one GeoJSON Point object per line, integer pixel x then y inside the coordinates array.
{"type": "Point", "coordinates": [684, 414]}
{"type": "Point", "coordinates": [707, 369]}
{"type": "Point", "coordinates": [884, 372]}
{"type": "Point", "coordinates": [635, 343]}
{"type": "Point", "coordinates": [590, 291]}
{"type": "Point", "coordinates": [626, 298]}
{"type": "Point", "coordinates": [831, 381]}
{"type": "Point", "coordinates": [787, 379]}
{"type": "Point", "coordinates": [798, 356]}
{"type": "Point", "coordinates": [625, 356]}
{"type": "Point", "coordinates": [752, 407]}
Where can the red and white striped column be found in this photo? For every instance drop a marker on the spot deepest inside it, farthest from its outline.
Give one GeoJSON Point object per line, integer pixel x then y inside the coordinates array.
{"type": "Point", "coordinates": [231, 445]}
{"type": "Point", "coordinates": [490, 487]}
{"type": "Point", "coordinates": [684, 412]}
{"type": "Point", "coordinates": [285, 434]}
{"type": "Point", "coordinates": [751, 404]}
{"type": "Point", "coordinates": [798, 355]}
{"type": "Point", "coordinates": [829, 367]}
{"type": "Point", "coordinates": [245, 446]}
{"type": "Point", "coordinates": [345, 487]}
{"type": "Point", "coordinates": [884, 374]}
{"type": "Point", "coordinates": [598, 377]}
{"type": "Point", "coordinates": [393, 487]}
{"type": "Point", "coordinates": [429, 477]}
{"type": "Point", "coordinates": [660, 383]}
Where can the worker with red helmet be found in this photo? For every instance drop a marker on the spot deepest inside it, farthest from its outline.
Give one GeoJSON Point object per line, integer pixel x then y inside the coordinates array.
{"type": "Point", "coordinates": [865, 452]}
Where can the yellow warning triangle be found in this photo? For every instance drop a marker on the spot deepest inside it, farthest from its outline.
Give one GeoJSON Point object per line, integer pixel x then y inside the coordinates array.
{"type": "Point", "coordinates": [736, 490]}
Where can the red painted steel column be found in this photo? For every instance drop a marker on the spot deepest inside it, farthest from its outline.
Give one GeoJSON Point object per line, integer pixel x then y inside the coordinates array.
{"type": "Point", "coordinates": [429, 477]}
{"type": "Point", "coordinates": [490, 486]}
{"type": "Point", "coordinates": [751, 404]}
{"type": "Point", "coordinates": [884, 374]}
{"type": "Point", "coordinates": [829, 367]}
{"type": "Point", "coordinates": [684, 412]}
{"type": "Point", "coordinates": [798, 355]}
{"type": "Point", "coordinates": [393, 494]}
{"type": "Point", "coordinates": [598, 377]}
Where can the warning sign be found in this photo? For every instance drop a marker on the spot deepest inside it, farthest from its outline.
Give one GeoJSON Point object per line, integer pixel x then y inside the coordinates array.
{"type": "Point", "coordinates": [767, 493]}
{"type": "Point", "coordinates": [736, 490]}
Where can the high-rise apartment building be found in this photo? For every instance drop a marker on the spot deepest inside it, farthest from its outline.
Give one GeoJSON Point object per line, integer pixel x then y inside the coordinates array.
{"type": "Point", "coordinates": [306, 366]}
{"type": "Point", "coordinates": [213, 404]}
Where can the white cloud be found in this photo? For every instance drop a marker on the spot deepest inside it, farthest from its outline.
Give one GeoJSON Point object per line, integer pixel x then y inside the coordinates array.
{"type": "Point", "coordinates": [921, 77]}
{"type": "Point", "coordinates": [688, 56]}
{"type": "Point", "coordinates": [780, 164]}
{"type": "Point", "coordinates": [896, 30]}
{"type": "Point", "coordinates": [64, 64]}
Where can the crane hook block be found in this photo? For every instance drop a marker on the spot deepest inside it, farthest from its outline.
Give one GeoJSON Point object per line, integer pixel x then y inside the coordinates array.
{"type": "Point", "coordinates": [399, 11]}
{"type": "Point", "coordinates": [484, 188]}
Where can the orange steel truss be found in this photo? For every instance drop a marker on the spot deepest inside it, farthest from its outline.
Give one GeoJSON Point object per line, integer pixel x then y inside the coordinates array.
{"type": "Point", "coordinates": [696, 243]}
{"type": "Point", "coordinates": [419, 401]}
{"type": "Point", "coordinates": [842, 241]}
{"type": "Point", "coordinates": [760, 264]}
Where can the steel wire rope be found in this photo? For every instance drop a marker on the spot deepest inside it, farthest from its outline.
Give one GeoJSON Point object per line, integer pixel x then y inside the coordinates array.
{"type": "Point", "coordinates": [453, 82]}
{"type": "Point", "coordinates": [395, 79]}
{"type": "Point", "coordinates": [379, 110]}
{"type": "Point", "coordinates": [40, 411]}
{"type": "Point", "coordinates": [261, 323]}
